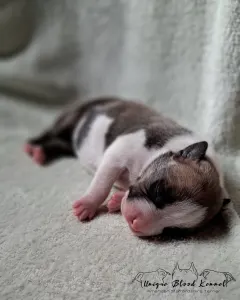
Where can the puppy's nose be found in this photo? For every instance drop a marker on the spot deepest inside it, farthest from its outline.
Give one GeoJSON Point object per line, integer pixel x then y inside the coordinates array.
{"type": "Point", "coordinates": [133, 221]}
{"type": "Point", "coordinates": [130, 218]}
{"type": "Point", "coordinates": [135, 224]}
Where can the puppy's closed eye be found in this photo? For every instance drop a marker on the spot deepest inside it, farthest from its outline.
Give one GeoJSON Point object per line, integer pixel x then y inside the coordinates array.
{"type": "Point", "coordinates": [160, 194]}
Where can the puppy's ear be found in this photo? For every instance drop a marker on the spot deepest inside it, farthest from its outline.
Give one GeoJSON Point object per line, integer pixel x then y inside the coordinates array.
{"type": "Point", "coordinates": [195, 151]}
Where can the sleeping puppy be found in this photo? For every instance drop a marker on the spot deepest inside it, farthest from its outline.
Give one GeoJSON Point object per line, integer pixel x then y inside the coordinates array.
{"type": "Point", "coordinates": [167, 176]}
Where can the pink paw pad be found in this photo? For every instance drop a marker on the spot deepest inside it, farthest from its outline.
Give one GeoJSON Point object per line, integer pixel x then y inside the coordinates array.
{"type": "Point", "coordinates": [83, 209]}
{"type": "Point", "coordinates": [38, 155]}
{"type": "Point", "coordinates": [114, 204]}
{"type": "Point", "coordinates": [28, 148]}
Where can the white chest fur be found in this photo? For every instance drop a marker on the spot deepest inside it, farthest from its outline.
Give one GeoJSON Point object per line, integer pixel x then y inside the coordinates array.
{"type": "Point", "coordinates": [91, 149]}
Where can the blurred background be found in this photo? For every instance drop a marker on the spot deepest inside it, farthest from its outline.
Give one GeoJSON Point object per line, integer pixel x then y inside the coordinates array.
{"type": "Point", "coordinates": [181, 57]}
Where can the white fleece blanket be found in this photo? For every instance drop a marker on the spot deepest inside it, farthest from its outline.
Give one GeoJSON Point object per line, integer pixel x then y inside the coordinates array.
{"type": "Point", "coordinates": [181, 57]}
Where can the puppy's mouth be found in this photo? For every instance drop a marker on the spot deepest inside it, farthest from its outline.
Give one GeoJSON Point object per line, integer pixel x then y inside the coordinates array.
{"type": "Point", "coordinates": [136, 232]}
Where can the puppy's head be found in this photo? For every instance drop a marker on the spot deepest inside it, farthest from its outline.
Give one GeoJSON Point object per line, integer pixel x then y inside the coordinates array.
{"type": "Point", "coordinates": [175, 190]}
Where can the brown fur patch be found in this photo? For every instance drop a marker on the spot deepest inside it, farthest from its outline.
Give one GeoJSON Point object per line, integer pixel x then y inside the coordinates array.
{"type": "Point", "coordinates": [168, 180]}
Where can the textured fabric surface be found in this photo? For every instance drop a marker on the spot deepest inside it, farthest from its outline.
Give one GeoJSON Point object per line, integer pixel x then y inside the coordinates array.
{"type": "Point", "coordinates": [181, 57]}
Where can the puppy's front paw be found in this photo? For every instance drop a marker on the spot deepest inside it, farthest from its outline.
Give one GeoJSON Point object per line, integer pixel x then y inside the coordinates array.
{"type": "Point", "coordinates": [84, 208]}
{"type": "Point", "coordinates": [114, 204]}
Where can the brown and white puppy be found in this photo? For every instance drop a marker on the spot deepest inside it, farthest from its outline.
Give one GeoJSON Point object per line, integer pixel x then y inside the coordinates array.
{"type": "Point", "coordinates": [168, 176]}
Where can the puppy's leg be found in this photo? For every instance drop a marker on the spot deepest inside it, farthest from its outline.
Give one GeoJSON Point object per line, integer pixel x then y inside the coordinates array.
{"type": "Point", "coordinates": [50, 151]}
{"type": "Point", "coordinates": [53, 143]}
{"type": "Point", "coordinates": [46, 150]}
{"type": "Point", "coordinates": [111, 167]}
{"type": "Point", "coordinates": [36, 142]}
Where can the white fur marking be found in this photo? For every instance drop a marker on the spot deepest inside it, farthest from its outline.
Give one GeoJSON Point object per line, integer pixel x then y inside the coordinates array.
{"type": "Point", "coordinates": [183, 214]}
{"type": "Point", "coordinates": [92, 149]}
{"type": "Point", "coordinates": [76, 133]}
{"type": "Point", "coordinates": [131, 151]}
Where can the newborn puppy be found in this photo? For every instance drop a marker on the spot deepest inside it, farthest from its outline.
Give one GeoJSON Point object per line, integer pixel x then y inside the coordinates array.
{"type": "Point", "coordinates": [166, 175]}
